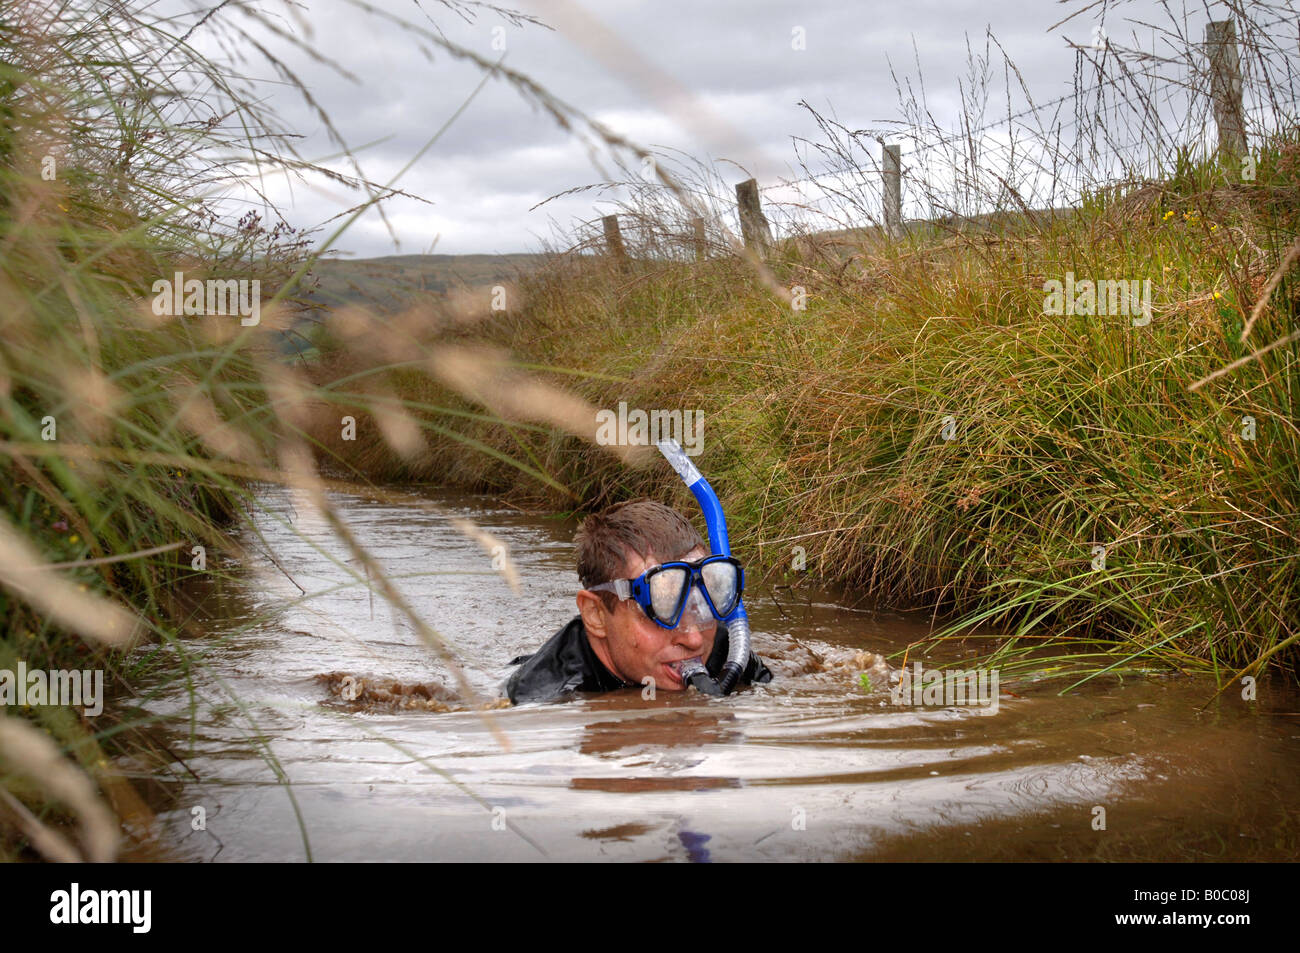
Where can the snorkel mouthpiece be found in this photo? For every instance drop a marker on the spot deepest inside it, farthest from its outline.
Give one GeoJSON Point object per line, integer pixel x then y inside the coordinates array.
{"type": "Point", "coordinates": [692, 672]}
{"type": "Point", "coordinates": [738, 622]}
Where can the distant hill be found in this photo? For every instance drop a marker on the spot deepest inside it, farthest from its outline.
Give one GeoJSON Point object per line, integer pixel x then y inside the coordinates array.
{"type": "Point", "coordinates": [395, 282]}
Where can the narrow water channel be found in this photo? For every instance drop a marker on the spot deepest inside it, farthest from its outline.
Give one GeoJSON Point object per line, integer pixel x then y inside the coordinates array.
{"type": "Point", "coordinates": [281, 766]}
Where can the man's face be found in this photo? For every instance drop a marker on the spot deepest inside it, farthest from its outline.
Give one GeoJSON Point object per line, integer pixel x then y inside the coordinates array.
{"type": "Point", "coordinates": [632, 646]}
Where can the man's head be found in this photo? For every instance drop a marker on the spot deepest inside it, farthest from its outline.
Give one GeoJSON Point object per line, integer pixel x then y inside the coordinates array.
{"type": "Point", "coordinates": [621, 543]}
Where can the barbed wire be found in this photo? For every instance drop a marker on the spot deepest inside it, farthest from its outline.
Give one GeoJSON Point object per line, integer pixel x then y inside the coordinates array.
{"type": "Point", "coordinates": [1099, 85]}
{"type": "Point", "coordinates": [967, 135]}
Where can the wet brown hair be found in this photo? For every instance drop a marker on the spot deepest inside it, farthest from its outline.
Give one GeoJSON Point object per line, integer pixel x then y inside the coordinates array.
{"type": "Point", "coordinates": [644, 527]}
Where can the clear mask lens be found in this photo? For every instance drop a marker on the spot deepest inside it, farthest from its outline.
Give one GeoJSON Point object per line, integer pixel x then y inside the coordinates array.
{"type": "Point", "coordinates": [666, 590]}
{"type": "Point", "coordinates": [721, 579]}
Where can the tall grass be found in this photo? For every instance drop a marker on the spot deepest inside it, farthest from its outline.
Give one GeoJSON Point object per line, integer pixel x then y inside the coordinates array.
{"type": "Point", "coordinates": [110, 415]}
{"type": "Point", "coordinates": [128, 439]}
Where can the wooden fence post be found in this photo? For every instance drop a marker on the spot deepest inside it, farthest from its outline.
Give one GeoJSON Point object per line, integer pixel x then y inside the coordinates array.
{"type": "Point", "coordinates": [614, 241]}
{"type": "Point", "coordinates": [892, 175]}
{"type": "Point", "coordinates": [1225, 85]}
{"type": "Point", "coordinates": [753, 224]}
{"type": "Point", "coordinates": [701, 239]}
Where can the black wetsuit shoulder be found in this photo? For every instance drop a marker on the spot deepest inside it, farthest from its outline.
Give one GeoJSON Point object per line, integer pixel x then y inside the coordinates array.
{"type": "Point", "coordinates": [566, 663]}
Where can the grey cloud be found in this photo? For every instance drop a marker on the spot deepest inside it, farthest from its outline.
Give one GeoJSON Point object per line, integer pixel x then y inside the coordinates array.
{"type": "Point", "coordinates": [733, 57]}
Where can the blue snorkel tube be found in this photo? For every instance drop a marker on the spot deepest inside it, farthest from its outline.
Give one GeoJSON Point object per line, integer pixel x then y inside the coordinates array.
{"type": "Point", "coordinates": [737, 622]}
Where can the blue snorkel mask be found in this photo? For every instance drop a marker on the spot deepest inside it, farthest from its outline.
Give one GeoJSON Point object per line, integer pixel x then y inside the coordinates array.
{"type": "Point", "coordinates": [690, 591]}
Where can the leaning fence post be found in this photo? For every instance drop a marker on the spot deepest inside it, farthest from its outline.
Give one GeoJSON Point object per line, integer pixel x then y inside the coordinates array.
{"type": "Point", "coordinates": [753, 224]}
{"type": "Point", "coordinates": [614, 241]}
{"type": "Point", "coordinates": [701, 239]}
{"type": "Point", "coordinates": [892, 175]}
{"type": "Point", "coordinates": [1225, 85]}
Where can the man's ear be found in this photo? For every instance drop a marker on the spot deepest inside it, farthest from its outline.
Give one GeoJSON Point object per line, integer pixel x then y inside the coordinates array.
{"type": "Point", "coordinates": [593, 613]}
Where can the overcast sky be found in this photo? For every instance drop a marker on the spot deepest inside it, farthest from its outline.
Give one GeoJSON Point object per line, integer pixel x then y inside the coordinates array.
{"type": "Point", "coordinates": [720, 78]}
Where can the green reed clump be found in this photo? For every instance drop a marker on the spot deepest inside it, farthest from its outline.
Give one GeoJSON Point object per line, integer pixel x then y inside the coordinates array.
{"type": "Point", "coordinates": [131, 437]}
{"type": "Point", "coordinates": [128, 437]}
{"type": "Point", "coordinates": [118, 426]}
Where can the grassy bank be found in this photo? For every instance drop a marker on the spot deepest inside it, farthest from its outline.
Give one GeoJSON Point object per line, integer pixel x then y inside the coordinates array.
{"type": "Point", "coordinates": [126, 431]}
{"type": "Point", "coordinates": [825, 427]}
{"type": "Point", "coordinates": [131, 428]}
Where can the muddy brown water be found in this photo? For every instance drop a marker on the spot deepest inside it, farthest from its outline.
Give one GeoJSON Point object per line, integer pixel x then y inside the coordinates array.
{"type": "Point", "coordinates": [278, 766]}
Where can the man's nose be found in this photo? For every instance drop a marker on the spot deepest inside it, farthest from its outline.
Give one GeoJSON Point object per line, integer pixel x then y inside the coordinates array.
{"type": "Point", "coordinates": [696, 620]}
{"type": "Point", "coordinates": [689, 633]}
